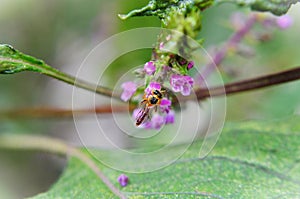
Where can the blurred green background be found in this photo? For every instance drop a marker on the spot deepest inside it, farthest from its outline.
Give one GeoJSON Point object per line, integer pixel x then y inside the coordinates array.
{"type": "Point", "coordinates": [62, 32]}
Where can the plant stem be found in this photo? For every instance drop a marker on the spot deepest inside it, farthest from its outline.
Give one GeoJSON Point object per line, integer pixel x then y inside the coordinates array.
{"type": "Point", "coordinates": [12, 61]}
{"type": "Point", "coordinates": [233, 41]}
{"type": "Point", "coordinates": [56, 146]}
{"type": "Point", "coordinates": [49, 112]}
{"type": "Point", "coordinates": [78, 82]}
{"type": "Point", "coordinates": [250, 84]}
{"type": "Point", "coordinates": [201, 93]}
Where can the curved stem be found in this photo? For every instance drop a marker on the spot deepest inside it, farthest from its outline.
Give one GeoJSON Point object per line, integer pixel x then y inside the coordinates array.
{"type": "Point", "coordinates": [56, 146]}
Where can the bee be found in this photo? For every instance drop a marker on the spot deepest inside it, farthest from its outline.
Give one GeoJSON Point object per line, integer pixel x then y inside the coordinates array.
{"type": "Point", "coordinates": [153, 100]}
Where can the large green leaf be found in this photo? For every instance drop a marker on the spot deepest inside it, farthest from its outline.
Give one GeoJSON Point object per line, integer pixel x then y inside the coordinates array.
{"type": "Point", "coordinates": [255, 159]}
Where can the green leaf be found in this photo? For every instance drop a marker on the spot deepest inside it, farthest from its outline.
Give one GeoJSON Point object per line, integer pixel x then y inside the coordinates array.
{"type": "Point", "coordinates": [12, 61]}
{"type": "Point", "coordinates": [164, 9]}
{"type": "Point", "coordinates": [251, 160]}
{"type": "Point", "coordinates": [277, 7]}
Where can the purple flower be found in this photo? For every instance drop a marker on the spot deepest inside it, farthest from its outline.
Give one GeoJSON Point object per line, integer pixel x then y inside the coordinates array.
{"type": "Point", "coordinates": [157, 121]}
{"type": "Point", "coordinates": [129, 89]}
{"type": "Point", "coordinates": [152, 85]}
{"type": "Point", "coordinates": [284, 21]}
{"type": "Point", "coordinates": [190, 65]}
{"type": "Point", "coordinates": [170, 117]}
{"type": "Point", "coordinates": [182, 83]}
{"type": "Point", "coordinates": [147, 125]}
{"type": "Point", "coordinates": [165, 105]}
{"type": "Point", "coordinates": [123, 180]}
{"type": "Point", "coordinates": [149, 68]}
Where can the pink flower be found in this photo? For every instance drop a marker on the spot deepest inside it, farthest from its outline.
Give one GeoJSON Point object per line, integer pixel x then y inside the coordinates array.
{"type": "Point", "coordinates": [161, 45]}
{"type": "Point", "coordinates": [170, 117]}
{"type": "Point", "coordinates": [129, 89]}
{"type": "Point", "coordinates": [123, 180]}
{"type": "Point", "coordinates": [165, 105]}
{"type": "Point", "coordinates": [157, 121]}
{"type": "Point", "coordinates": [284, 21]}
{"type": "Point", "coordinates": [182, 83]}
{"type": "Point", "coordinates": [149, 68]}
{"type": "Point", "coordinates": [152, 86]}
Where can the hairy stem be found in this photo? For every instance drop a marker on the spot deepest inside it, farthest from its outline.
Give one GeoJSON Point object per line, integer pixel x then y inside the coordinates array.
{"type": "Point", "coordinates": [56, 146]}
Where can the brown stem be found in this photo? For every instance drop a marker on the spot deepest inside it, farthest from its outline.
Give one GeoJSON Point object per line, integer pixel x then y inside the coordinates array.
{"type": "Point", "coordinates": [250, 84]}
{"type": "Point", "coordinates": [201, 93]}
{"type": "Point", "coordinates": [48, 112]}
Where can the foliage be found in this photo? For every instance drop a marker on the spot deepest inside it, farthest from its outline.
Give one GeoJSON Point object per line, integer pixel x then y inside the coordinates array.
{"type": "Point", "coordinates": [163, 9]}
{"type": "Point", "coordinates": [251, 160]}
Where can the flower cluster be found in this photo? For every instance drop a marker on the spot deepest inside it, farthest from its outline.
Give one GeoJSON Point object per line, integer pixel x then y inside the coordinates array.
{"type": "Point", "coordinates": [155, 105]}
{"type": "Point", "coordinates": [162, 110]}
{"type": "Point", "coordinates": [182, 83]}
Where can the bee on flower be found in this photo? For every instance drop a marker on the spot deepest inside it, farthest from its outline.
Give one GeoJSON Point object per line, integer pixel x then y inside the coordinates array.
{"type": "Point", "coordinates": [155, 105]}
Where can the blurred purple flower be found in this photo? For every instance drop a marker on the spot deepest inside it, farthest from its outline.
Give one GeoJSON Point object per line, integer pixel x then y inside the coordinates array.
{"type": "Point", "coordinates": [146, 125]}
{"type": "Point", "coordinates": [149, 68]}
{"type": "Point", "coordinates": [284, 21]}
{"type": "Point", "coordinates": [182, 83]}
{"type": "Point", "coordinates": [237, 20]}
{"type": "Point", "coordinates": [152, 86]}
{"type": "Point", "coordinates": [129, 89]}
{"type": "Point", "coordinates": [157, 121]}
{"type": "Point", "coordinates": [161, 45]}
{"type": "Point", "coordinates": [190, 65]}
{"type": "Point", "coordinates": [123, 180]}
{"type": "Point", "coordinates": [170, 117]}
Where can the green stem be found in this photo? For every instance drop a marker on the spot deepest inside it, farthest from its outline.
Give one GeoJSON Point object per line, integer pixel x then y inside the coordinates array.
{"type": "Point", "coordinates": [56, 146]}
{"type": "Point", "coordinates": [52, 72]}
{"type": "Point", "coordinates": [12, 61]}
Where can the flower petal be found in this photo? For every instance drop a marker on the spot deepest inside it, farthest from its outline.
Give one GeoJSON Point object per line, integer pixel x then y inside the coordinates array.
{"type": "Point", "coordinates": [170, 117]}
{"type": "Point", "coordinates": [157, 121]}
{"type": "Point", "coordinates": [149, 68]}
{"type": "Point", "coordinates": [123, 180]}
{"type": "Point", "coordinates": [129, 89]}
